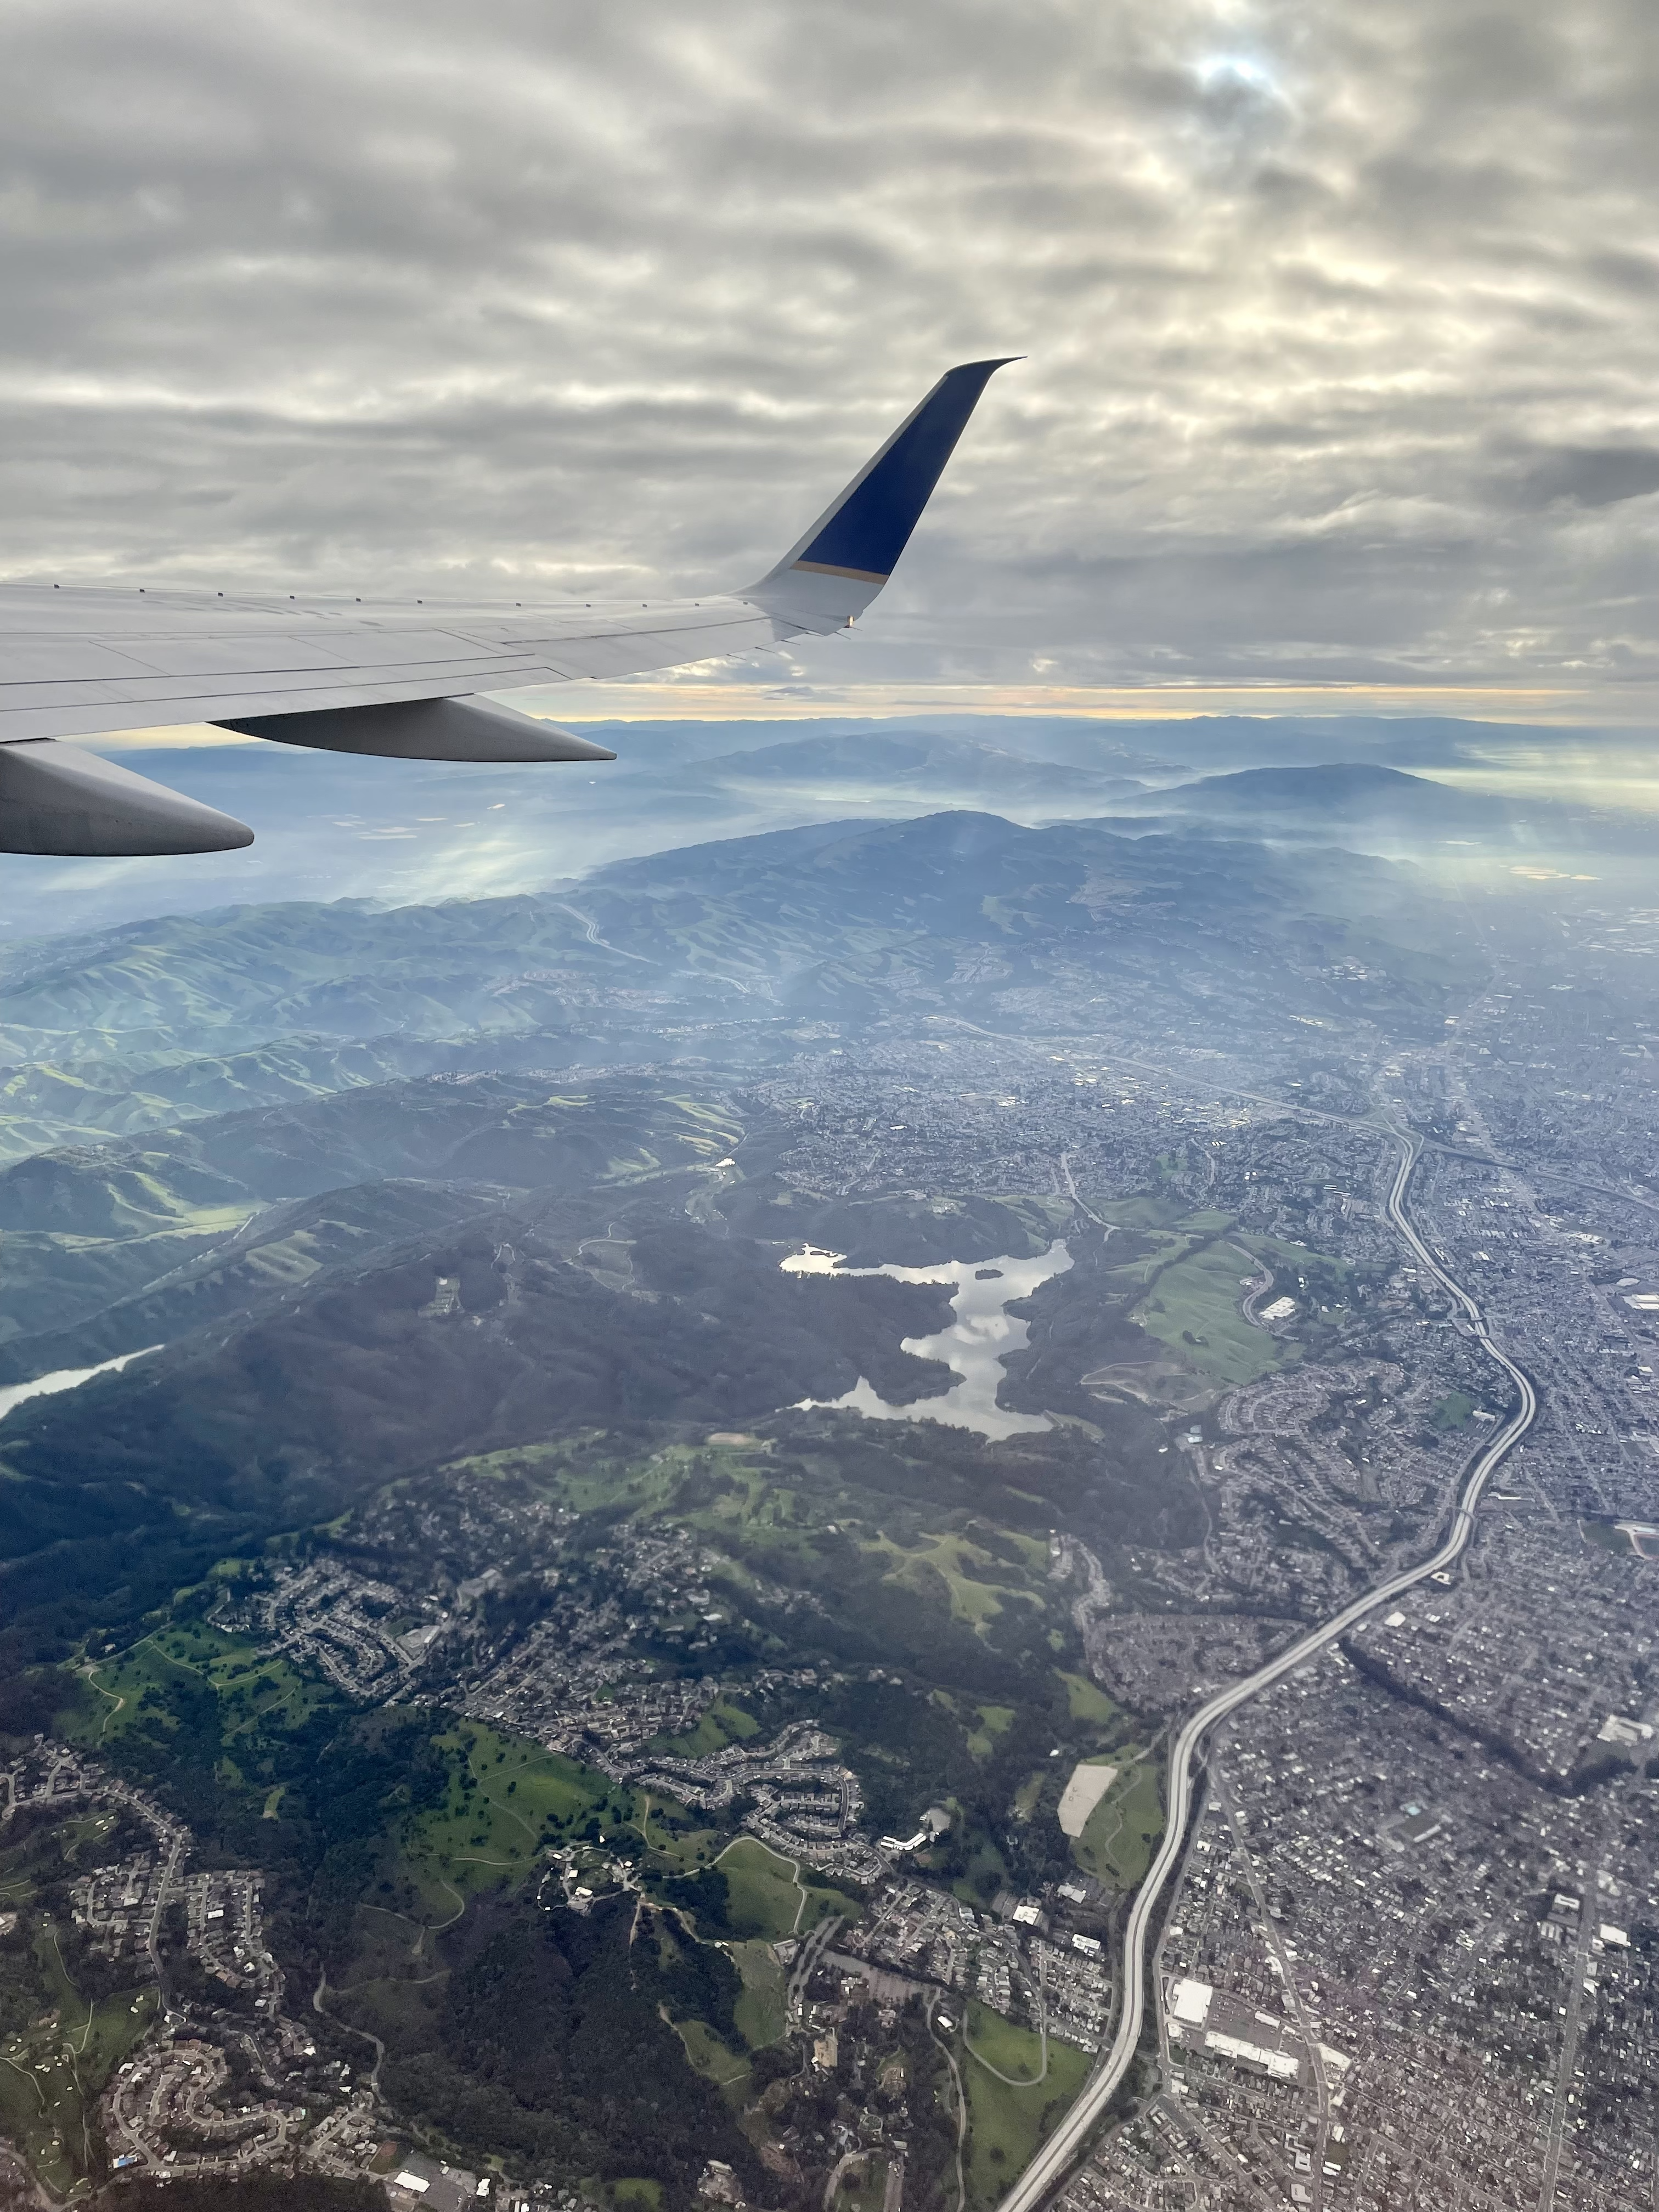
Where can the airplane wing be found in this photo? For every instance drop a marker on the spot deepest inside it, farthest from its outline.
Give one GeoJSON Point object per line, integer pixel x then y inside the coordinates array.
{"type": "Point", "coordinates": [352, 676]}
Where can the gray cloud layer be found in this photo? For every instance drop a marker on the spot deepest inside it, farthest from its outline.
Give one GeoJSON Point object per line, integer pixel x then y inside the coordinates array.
{"type": "Point", "coordinates": [1344, 322]}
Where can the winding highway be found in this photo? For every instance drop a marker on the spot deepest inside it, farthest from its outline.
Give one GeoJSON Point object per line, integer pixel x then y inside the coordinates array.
{"type": "Point", "coordinates": [1055, 2157]}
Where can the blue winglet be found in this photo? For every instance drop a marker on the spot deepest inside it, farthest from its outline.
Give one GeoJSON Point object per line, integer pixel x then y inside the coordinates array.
{"type": "Point", "coordinates": [864, 534]}
{"type": "Point", "coordinates": [851, 549]}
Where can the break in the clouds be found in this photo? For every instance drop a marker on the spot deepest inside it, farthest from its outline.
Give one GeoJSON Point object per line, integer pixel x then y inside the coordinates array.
{"type": "Point", "coordinates": [1343, 323]}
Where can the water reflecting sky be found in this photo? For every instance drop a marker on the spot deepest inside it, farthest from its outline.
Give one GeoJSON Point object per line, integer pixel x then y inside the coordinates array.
{"type": "Point", "coordinates": [978, 1338]}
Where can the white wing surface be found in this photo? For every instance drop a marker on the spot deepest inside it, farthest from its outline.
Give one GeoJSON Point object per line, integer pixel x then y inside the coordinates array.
{"type": "Point", "coordinates": [77, 661]}
{"type": "Point", "coordinates": [359, 677]}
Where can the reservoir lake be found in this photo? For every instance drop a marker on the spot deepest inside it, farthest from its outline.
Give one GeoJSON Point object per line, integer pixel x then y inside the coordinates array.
{"type": "Point", "coordinates": [981, 1335]}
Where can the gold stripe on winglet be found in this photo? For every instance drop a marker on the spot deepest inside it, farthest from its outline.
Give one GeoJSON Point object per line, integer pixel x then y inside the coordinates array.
{"type": "Point", "coordinates": [828, 569]}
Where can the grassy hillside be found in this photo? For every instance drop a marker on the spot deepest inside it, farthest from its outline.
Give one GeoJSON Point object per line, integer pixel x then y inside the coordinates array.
{"type": "Point", "coordinates": [105, 1250]}
{"type": "Point", "coordinates": [192, 1015]}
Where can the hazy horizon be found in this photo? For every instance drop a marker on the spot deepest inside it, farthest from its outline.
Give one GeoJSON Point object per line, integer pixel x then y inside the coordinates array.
{"type": "Point", "coordinates": [332, 826]}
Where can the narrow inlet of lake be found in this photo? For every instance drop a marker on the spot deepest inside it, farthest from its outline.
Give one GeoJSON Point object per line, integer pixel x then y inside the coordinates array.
{"type": "Point", "coordinates": [981, 1334]}
{"type": "Point", "coordinates": [64, 1378]}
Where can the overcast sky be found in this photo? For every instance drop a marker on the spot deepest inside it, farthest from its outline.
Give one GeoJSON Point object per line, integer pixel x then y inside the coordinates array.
{"type": "Point", "coordinates": [1343, 320]}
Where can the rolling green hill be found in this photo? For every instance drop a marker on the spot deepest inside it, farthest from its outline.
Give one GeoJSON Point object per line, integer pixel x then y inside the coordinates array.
{"type": "Point", "coordinates": [133, 1245]}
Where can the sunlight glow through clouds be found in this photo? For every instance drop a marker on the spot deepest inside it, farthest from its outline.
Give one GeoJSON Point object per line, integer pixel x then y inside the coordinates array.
{"type": "Point", "coordinates": [1244, 67]}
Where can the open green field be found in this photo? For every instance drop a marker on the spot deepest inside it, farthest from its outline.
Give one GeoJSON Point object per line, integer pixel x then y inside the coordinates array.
{"type": "Point", "coordinates": [1116, 1844]}
{"type": "Point", "coordinates": [256, 1689]}
{"type": "Point", "coordinates": [1188, 1267]}
{"type": "Point", "coordinates": [37, 2102]}
{"type": "Point", "coordinates": [117, 2023]}
{"type": "Point", "coordinates": [635, 2194]}
{"type": "Point", "coordinates": [1194, 1308]}
{"type": "Point", "coordinates": [960, 1563]}
{"type": "Point", "coordinates": [1155, 1250]}
{"type": "Point", "coordinates": [681, 1852]}
{"type": "Point", "coordinates": [58, 2044]}
{"type": "Point", "coordinates": [760, 2012]}
{"type": "Point", "coordinates": [709, 2054]}
{"type": "Point", "coordinates": [994, 1722]}
{"type": "Point", "coordinates": [1007, 2123]}
{"type": "Point", "coordinates": [52, 2072]}
{"type": "Point", "coordinates": [767, 1900]}
{"type": "Point", "coordinates": [1088, 1702]}
{"type": "Point", "coordinates": [1003, 2043]}
{"type": "Point", "coordinates": [749, 1499]}
{"type": "Point", "coordinates": [1144, 1212]}
{"type": "Point", "coordinates": [491, 1834]}
{"type": "Point", "coordinates": [584, 1474]}
{"type": "Point", "coordinates": [723, 1724]}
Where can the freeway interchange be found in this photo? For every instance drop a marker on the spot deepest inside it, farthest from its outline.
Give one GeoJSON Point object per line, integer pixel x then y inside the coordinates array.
{"type": "Point", "coordinates": [1055, 2157]}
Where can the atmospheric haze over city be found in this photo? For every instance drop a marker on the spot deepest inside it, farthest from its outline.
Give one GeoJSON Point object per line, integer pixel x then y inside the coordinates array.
{"type": "Point", "coordinates": [881, 1435]}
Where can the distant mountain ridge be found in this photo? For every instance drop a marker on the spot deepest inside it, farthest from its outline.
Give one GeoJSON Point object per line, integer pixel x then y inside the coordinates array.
{"type": "Point", "coordinates": [234, 981]}
{"type": "Point", "coordinates": [334, 825]}
{"type": "Point", "coordinates": [936, 769]}
{"type": "Point", "coordinates": [1348, 793]}
{"type": "Point", "coordinates": [170, 1087]}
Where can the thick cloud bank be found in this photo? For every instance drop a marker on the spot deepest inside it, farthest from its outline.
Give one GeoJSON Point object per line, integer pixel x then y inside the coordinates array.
{"type": "Point", "coordinates": [1343, 322]}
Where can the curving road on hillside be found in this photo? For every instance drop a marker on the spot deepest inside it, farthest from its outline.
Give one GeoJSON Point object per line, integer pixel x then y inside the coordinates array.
{"type": "Point", "coordinates": [1055, 2158]}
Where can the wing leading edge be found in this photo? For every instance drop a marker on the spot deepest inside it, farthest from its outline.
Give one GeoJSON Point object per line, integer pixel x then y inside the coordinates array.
{"type": "Point", "coordinates": [393, 680]}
